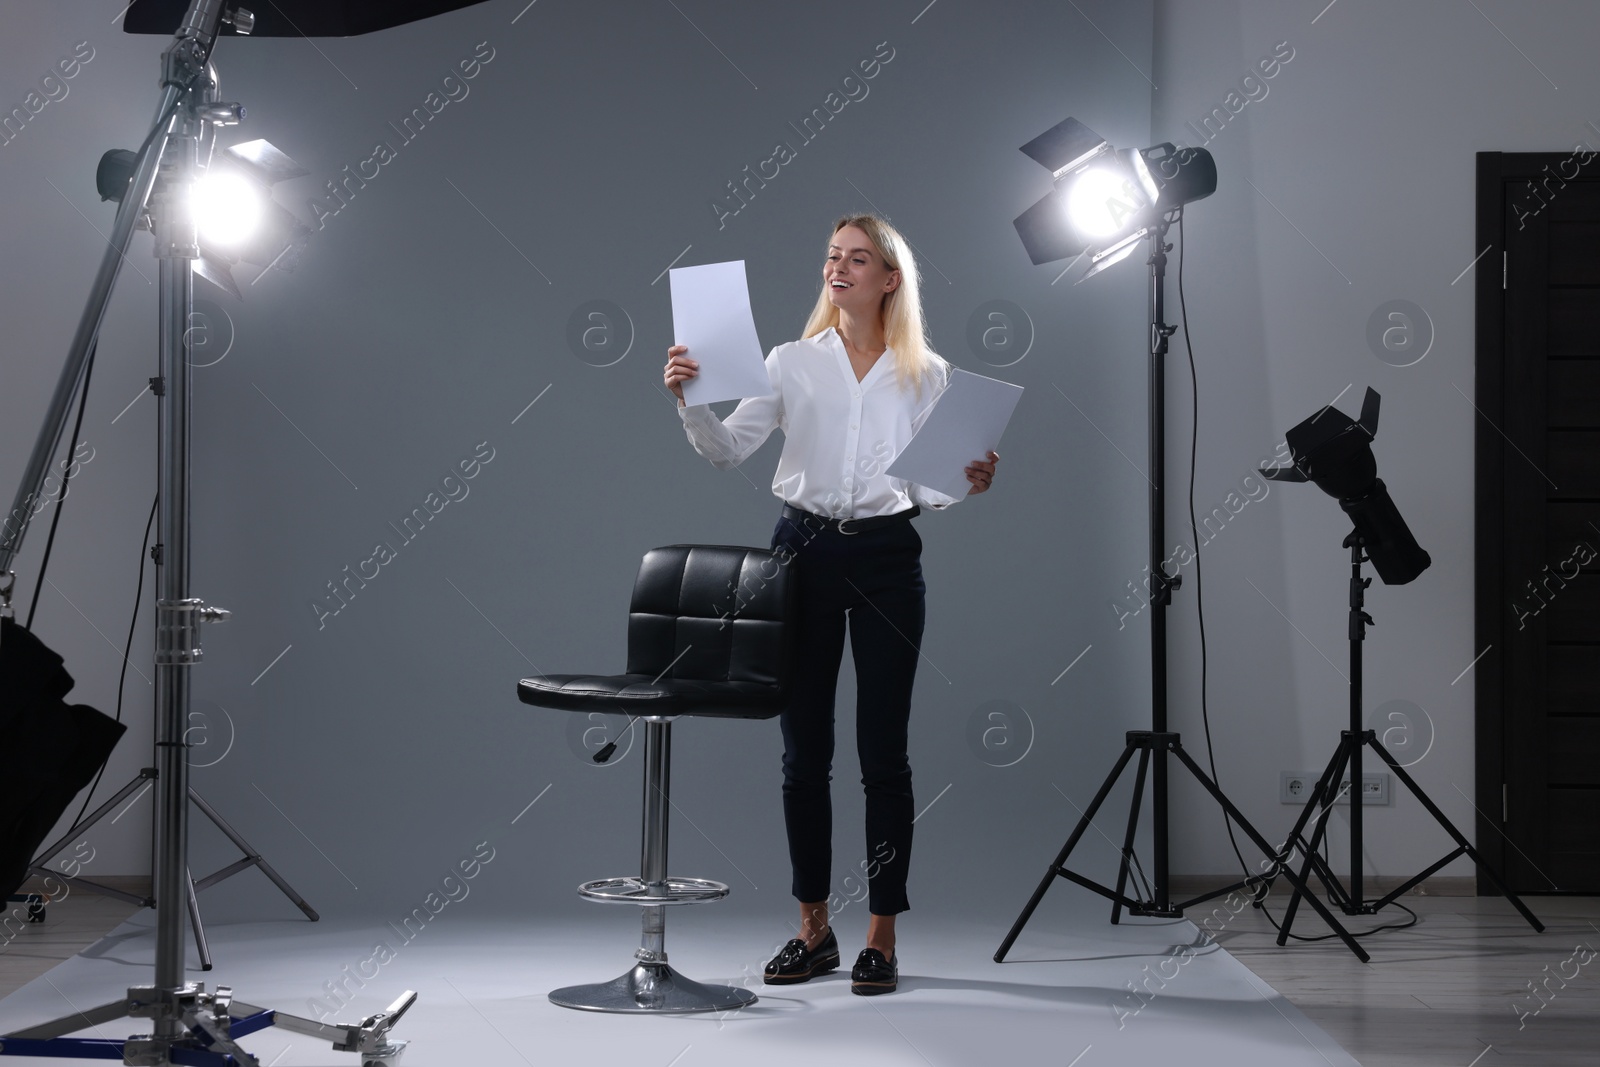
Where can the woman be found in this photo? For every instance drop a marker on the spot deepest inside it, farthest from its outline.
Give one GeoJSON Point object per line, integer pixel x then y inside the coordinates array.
{"type": "Point", "coordinates": [848, 396]}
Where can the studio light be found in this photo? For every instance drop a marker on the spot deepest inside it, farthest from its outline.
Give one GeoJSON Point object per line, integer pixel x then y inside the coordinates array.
{"type": "Point", "coordinates": [1104, 199]}
{"type": "Point", "coordinates": [237, 217]}
{"type": "Point", "coordinates": [1334, 451]}
{"type": "Point", "coordinates": [1108, 203]}
{"type": "Point", "coordinates": [233, 210]}
{"type": "Point", "coordinates": [180, 1022]}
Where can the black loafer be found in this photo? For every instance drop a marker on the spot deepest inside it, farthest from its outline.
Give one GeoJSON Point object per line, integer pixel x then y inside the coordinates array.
{"type": "Point", "coordinates": [796, 963]}
{"type": "Point", "coordinates": [873, 974]}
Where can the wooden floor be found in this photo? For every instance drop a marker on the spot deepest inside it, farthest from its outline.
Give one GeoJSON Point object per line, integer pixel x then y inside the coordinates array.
{"type": "Point", "coordinates": [71, 925]}
{"type": "Point", "coordinates": [1453, 991]}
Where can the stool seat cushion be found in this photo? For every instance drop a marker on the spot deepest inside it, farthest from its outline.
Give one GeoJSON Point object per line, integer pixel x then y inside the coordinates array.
{"type": "Point", "coordinates": [643, 694]}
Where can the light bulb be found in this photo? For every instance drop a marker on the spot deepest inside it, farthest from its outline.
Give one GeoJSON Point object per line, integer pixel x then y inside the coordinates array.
{"type": "Point", "coordinates": [1101, 202]}
{"type": "Point", "coordinates": [227, 207]}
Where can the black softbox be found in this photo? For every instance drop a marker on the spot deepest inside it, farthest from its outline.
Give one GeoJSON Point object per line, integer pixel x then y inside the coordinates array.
{"type": "Point", "coordinates": [49, 749]}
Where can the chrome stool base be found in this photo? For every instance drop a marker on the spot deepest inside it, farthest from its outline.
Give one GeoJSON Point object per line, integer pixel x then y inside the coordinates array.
{"type": "Point", "coordinates": [652, 989]}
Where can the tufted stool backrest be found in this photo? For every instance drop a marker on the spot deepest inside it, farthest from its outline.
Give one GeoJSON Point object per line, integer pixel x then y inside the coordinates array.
{"type": "Point", "coordinates": [721, 613]}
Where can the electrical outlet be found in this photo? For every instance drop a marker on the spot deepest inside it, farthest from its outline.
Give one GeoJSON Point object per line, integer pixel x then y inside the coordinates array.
{"type": "Point", "coordinates": [1294, 787]}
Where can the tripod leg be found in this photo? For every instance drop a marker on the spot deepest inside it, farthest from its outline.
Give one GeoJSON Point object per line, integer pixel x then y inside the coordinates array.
{"type": "Point", "coordinates": [251, 854]}
{"type": "Point", "coordinates": [1266, 850]}
{"type": "Point", "coordinates": [199, 927]}
{"type": "Point", "coordinates": [1061, 857]}
{"type": "Point", "coordinates": [99, 813]}
{"type": "Point", "coordinates": [1327, 789]}
{"type": "Point", "coordinates": [1327, 794]}
{"type": "Point", "coordinates": [1294, 900]}
{"type": "Point", "coordinates": [38, 867]}
{"type": "Point", "coordinates": [1127, 840]}
{"type": "Point", "coordinates": [1449, 828]}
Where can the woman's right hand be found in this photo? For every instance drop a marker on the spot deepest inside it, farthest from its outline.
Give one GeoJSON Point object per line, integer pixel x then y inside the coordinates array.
{"type": "Point", "coordinates": [680, 368]}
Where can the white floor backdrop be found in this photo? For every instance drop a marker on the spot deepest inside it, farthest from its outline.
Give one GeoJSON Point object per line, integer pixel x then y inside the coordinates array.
{"type": "Point", "coordinates": [1063, 997]}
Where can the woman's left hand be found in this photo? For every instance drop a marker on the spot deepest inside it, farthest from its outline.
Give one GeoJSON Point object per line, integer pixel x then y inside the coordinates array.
{"type": "Point", "coordinates": [981, 473]}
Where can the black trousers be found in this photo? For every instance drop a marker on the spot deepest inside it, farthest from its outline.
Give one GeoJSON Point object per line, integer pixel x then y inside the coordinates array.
{"type": "Point", "coordinates": [873, 581]}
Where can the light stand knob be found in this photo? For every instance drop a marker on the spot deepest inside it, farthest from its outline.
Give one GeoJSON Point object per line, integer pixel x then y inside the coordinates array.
{"type": "Point", "coordinates": [221, 114]}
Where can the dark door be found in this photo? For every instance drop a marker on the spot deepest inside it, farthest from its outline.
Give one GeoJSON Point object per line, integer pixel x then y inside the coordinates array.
{"type": "Point", "coordinates": [1538, 519]}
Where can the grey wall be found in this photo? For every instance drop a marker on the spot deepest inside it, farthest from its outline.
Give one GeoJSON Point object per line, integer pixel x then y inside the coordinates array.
{"type": "Point", "coordinates": [1361, 157]}
{"type": "Point", "coordinates": [434, 307]}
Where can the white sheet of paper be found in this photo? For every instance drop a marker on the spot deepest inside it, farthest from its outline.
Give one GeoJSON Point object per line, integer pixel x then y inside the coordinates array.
{"type": "Point", "coordinates": [964, 425]}
{"type": "Point", "coordinates": [711, 315]}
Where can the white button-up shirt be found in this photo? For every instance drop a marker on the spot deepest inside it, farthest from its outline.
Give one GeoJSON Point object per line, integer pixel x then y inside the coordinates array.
{"type": "Point", "coordinates": [839, 435]}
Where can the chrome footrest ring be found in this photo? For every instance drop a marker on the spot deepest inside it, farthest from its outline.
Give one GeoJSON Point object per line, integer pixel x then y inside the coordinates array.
{"type": "Point", "coordinates": [638, 891]}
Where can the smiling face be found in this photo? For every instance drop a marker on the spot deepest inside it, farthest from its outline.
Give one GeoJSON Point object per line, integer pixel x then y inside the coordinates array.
{"type": "Point", "coordinates": [855, 275]}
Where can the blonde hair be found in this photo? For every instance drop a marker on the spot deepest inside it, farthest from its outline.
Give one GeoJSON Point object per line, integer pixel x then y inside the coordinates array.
{"type": "Point", "coordinates": [904, 328]}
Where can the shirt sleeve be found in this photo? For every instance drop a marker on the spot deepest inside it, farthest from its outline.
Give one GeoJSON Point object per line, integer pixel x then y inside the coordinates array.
{"type": "Point", "coordinates": [727, 442]}
{"type": "Point", "coordinates": [921, 495]}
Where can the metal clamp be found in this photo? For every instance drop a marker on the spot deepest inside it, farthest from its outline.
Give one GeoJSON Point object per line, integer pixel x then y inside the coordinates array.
{"type": "Point", "coordinates": [190, 1004]}
{"type": "Point", "coordinates": [221, 114]}
{"type": "Point", "coordinates": [183, 63]}
{"type": "Point", "coordinates": [154, 1002]}
{"type": "Point", "coordinates": [372, 1040]}
{"type": "Point", "coordinates": [177, 635]}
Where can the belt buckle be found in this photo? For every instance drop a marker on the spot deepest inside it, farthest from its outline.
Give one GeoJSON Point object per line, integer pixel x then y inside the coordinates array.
{"type": "Point", "coordinates": [841, 528]}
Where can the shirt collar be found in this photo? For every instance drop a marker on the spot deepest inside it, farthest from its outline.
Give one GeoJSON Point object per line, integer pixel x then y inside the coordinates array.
{"type": "Point", "coordinates": [831, 338]}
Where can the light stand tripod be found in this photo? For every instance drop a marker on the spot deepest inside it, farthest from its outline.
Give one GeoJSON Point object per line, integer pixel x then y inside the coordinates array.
{"type": "Point", "coordinates": [1154, 745]}
{"type": "Point", "coordinates": [143, 780]}
{"type": "Point", "coordinates": [1352, 901]}
{"type": "Point", "coordinates": [190, 1026]}
{"type": "Point", "coordinates": [251, 858]}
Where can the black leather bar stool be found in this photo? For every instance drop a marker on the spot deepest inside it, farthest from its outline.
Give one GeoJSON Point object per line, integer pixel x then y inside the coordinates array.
{"type": "Point", "coordinates": [710, 632]}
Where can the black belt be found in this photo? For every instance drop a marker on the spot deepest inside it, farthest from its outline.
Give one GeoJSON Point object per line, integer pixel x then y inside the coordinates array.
{"type": "Point", "coordinates": [855, 526]}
